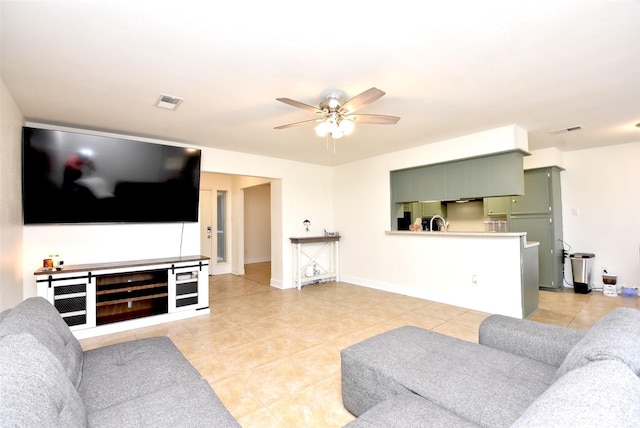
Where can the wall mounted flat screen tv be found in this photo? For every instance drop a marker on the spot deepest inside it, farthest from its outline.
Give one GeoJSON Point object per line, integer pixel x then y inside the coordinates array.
{"type": "Point", "coordinates": [72, 178]}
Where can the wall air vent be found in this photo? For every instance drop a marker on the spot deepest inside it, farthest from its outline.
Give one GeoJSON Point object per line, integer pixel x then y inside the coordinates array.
{"type": "Point", "coordinates": [168, 102]}
{"type": "Point", "coordinates": [565, 130]}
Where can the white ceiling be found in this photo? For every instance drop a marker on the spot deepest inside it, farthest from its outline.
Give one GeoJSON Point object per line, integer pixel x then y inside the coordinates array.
{"type": "Point", "coordinates": [449, 68]}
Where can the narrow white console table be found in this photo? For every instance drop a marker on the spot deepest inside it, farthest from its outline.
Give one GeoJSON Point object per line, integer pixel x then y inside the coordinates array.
{"type": "Point", "coordinates": [303, 258]}
{"type": "Point", "coordinates": [101, 298]}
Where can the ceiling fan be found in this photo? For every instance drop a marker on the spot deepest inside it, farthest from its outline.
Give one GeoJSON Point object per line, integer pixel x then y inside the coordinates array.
{"type": "Point", "coordinates": [335, 114]}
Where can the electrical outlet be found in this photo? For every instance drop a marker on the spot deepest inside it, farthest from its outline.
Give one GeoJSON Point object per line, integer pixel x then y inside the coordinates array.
{"type": "Point", "coordinates": [474, 280]}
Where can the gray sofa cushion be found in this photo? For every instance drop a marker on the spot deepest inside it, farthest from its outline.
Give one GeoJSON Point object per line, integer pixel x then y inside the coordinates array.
{"type": "Point", "coordinates": [192, 404]}
{"type": "Point", "coordinates": [481, 384]}
{"type": "Point", "coordinates": [409, 410]}
{"type": "Point", "coordinates": [118, 373]}
{"type": "Point", "coordinates": [615, 336]}
{"type": "Point", "coordinates": [39, 318]}
{"type": "Point", "coordinates": [549, 344]}
{"type": "Point", "coordinates": [34, 389]}
{"type": "Point", "coordinates": [599, 394]}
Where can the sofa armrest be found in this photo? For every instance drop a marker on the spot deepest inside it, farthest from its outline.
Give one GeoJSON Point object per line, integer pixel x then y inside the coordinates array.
{"type": "Point", "coordinates": [549, 344]}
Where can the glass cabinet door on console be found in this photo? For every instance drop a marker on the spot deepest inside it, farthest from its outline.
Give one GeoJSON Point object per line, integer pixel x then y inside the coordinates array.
{"type": "Point", "coordinates": [73, 296]}
{"type": "Point", "coordinates": [189, 288]}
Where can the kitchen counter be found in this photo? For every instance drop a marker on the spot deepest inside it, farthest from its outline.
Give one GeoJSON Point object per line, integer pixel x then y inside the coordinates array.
{"type": "Point", "coordinates": [427, 233]}
{"type": "Point", "coordinates": [527, 244]}
{"type": "Point", "coordinates": [491, 272]}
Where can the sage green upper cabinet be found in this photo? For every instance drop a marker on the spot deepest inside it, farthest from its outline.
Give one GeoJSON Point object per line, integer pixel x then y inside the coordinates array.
{"type": "Point", "coordinates": [429, 209]}
{"type": "Point", "coordinates": [492, 175]}
{"type": "Point", "coordinates": [507, 174]}
{"type": "Point", "coordinates": [468, 178]}
{"type": "Point", "coordinates": [401, 186]}
{"type": "Point", "coordinates": [536, 194]}
{"type": "Point", "coordinates": [429, 182]}
{"type": "Point", "coordinates": [498, 206]}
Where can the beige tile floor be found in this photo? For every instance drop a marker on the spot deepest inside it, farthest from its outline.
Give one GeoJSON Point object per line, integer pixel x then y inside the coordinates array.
{"type": "Point", "coordinates": [273, 356]}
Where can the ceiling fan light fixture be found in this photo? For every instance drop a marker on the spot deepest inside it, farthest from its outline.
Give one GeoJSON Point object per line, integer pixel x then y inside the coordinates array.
{"type": "Point", "coordinates": [321, 129]}
{"type": "Point", "coordinates": [333, 103]}
{"type": "Point", "coordinates": [337, 133]}
{"type": "Point", "coordinates": [337, 119]}
{"type": "Point", "coordinates": [346, 126]}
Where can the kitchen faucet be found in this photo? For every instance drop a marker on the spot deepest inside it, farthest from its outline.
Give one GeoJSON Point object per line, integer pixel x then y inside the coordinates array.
{"type": "Point", "coordinates": [444, 223]}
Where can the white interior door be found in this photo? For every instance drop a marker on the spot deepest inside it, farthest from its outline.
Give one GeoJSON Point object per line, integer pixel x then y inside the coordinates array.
{"type": "Point", "coordinates": [207, 231]}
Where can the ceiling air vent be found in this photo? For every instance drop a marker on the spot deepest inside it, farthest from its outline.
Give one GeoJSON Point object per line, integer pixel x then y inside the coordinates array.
{"type": "Point", "coordinates": [565, 130]}
{"type": "Point", "coordinates": [169, 102]}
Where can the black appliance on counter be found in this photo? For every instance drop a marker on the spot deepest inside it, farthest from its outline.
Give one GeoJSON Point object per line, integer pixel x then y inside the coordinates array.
{"type": "Point", "coordinates": [404, 222]}
{"type": "Point", "coordinates": [426, 223]}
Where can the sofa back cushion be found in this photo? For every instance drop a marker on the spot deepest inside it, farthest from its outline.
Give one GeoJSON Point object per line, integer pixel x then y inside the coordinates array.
{"type": "Point", "coordinates": [599, 394]}
{"type": "Point", "coordinates": [39, 318]}
{"type": "Point", "coordinates": [616, 336]}
{"type": "Point", "coordinates": [34, 389]}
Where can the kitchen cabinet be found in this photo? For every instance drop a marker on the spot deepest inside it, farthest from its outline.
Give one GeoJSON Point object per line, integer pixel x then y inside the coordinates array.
{"type": "Point", "coordinates": [537, 193]}
{"type": "Point", "coordinates": [401, 188]}
{"type": "Point", "coordinates": [428, 183]}
{"type": "Point", "coordinates": [498, 206]}
{"type": "Point", "coordinates": [539, 228]}
{"type": "Point", "coordinates": [483, 176]}
{"type": "Point", "coordinates": [539, 213]}
{"type": "Point", "coordinates": [429, 209]}
{"type": "Point", "coordinates": [506, 174]}
{"type": "Point", "coordinates": [530, 279]}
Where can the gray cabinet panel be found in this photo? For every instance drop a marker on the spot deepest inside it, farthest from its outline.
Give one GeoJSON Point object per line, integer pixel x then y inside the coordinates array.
{"type": "Point", "coordinates": [536, 198]}
{"type": "Point", "coordinates": [530, 281]}
{"type": "Point", "coordinates": [492, 175]}
{"type": "Point", "coordinates": [498, 206]}
{"type": "Point", "coordinates": [539, 213]}
{"type": "Point", "coordinates": [401, 186]}
{"type": "Point", "coordinates": [539, 228]}
{"type": "Point", "coordinates": [459, 180]}
{"type": "Point", "coordinates": [429, 183]}
{"type": "Point", "coordinates": [506, 174]}
{"type": "Point", "coordinates": [479, 171]}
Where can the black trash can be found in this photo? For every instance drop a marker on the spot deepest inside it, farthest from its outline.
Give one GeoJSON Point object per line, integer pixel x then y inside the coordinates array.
{"type": "Point", "coordinates": [581, 266]}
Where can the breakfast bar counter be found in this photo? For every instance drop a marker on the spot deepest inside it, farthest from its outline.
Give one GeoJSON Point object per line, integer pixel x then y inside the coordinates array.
{"type": "Point", "coordinates": [491, 272]}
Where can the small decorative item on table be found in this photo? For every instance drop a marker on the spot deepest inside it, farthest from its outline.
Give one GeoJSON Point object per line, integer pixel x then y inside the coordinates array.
{"type": "Point", "coordinates": [416, 226]}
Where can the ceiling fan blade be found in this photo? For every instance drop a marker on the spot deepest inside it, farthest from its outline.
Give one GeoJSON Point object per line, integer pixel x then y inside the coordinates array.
{"type": "Point", "coordinates": [361, 100]}
{"type": "Point", "coordinates": [300, 105]}
{"type": "Point", "coordinates": [304, 122]}
{"type": "Point", "coordinates": [373, 118]}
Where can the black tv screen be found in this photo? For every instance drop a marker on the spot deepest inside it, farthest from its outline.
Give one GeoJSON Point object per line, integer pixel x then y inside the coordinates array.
{"type": "Point", "coordinates": [78, 178]}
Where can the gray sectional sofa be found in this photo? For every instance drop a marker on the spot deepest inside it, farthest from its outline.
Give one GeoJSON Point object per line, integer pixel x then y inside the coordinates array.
{"type": "Point", "coordinates": [47, 380]}
{"type": "Point", "coordinates": [520, 374]}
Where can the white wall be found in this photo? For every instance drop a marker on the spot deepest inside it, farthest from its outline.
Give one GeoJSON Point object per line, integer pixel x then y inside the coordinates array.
{"type": "Point", "coordinates": [427, 267]}
{"type": "Point", "coordinates": [257, 224]}
{"type": "Point", "coordinates": [238, 221]}
{"type": "Point", "coordinates": [10, 201]}
{"type": "Point", "coordinates": [601, 208]}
